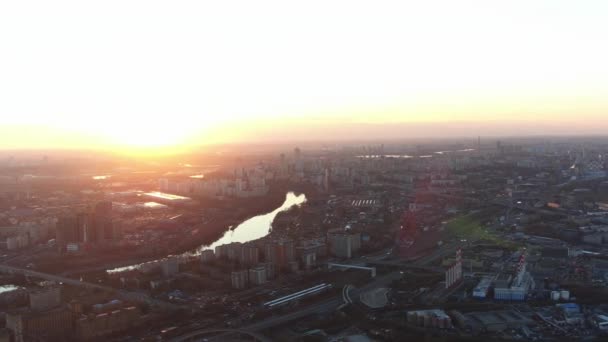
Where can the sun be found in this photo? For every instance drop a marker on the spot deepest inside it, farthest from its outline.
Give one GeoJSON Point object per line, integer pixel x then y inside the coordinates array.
{"type": "Point", "coordinates": [141, 134]}
{"type": "Point", "coordinates": [148, 134]}
{"type": "Point", "coordinates": [147, 137]}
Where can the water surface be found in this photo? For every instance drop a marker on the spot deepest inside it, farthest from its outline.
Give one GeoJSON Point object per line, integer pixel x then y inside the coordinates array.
{"type": "Point", "coordinates": [8, 288]}
{"type": "Point", "coordinates": [252, 229]}
{"type": "Point", "coordinates": [256, 227]}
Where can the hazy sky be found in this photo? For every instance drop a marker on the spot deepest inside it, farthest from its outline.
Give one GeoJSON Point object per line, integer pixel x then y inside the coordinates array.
{"type": "Point", "coordinates": [82, 73]}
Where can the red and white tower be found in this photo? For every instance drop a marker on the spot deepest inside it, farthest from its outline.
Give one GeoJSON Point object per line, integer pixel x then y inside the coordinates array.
{"type": "Point", "coordinates": [453, 274]}
{"type": "Point", "coordinates": [521, 268]}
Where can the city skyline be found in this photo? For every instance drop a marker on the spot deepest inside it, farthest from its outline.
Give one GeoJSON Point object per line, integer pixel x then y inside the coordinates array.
{"type": "Point", "coordinates": [303, 171]}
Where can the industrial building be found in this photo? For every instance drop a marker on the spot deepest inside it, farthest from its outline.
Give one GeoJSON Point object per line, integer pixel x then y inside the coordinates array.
{"type": "Point", "coordinates": [165, 198]}
{"type": "Point", "coordinates": [514, 290]}
{"type": "Point", "coordinates": [493, 321]}
{"type": "Point", "coordinates": [429, 319]}
{"type": "Point", "coordinates": [571, 312]}
{"type": "Point", "coordinates": [453, 274]}
{"type": "Point", "coordinates": [483, 287]}
{"type": "Point", "coordinates": [516, 287]}
{"type": "Point", "coordinates": [601, 321]}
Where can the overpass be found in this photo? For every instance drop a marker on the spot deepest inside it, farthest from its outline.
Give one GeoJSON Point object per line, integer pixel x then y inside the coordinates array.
{"type": "Point", "coordinates": [298, 295]}
{"type": "Point", "coordinates": [330, 265]}
{"type": "Point", "coordinates": [203, 334]}
{"type": "Point", "coordinates": [461, 198]}
{"type": "Point", "coordinates": [325, 306]}
{"type": "Point", "coordinates": [526, 208]}
{"type": "Point", "coordinates": [129, 295]}
{"type": "Point", "coordinates": [422, 262]}
{"type": "Point", "coordinates": [346, 295]}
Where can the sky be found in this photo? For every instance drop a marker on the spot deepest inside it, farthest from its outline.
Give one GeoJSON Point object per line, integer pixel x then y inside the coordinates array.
{"type": "Point", "coordinates": [130, 73]}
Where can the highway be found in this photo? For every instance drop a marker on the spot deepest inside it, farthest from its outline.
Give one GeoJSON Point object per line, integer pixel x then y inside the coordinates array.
{"type": "Point", "coordinates": [334, 302]}
{"type": "Point", "coordinates": [328, 305]}
{"type": "Point", "coordinates": [541, 211]}
{"type": "Point", "coordinates": [324, 306]}
{"type": "Point", "coordinates": [448, 249]}
{"type": "Point", "coordinates": [135, 296]}
{"type": "Point", "coordinates": [22, 257]}
{"type": "Point", "coordinates": [196, 335]}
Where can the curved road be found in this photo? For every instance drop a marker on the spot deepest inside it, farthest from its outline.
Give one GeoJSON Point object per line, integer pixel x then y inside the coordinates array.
{"type": "Point", "coordinates": [327, 305]}
{"type": "Point", "coordinates": [201, 333]}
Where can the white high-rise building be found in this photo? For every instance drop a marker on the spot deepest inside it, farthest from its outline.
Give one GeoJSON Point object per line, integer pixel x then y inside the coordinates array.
{"type": "Point", "coordinates": [239, 279]}
{"type": "Point", "coordinates": [170, 266]}
{"type": "Point", "coordinates": [257, 275]}
{"type": "Point", "coordinates": [342, 243]}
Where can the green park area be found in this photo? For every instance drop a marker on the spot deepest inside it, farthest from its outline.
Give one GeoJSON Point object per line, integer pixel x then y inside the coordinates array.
{"type": "Point", "coordinates": [468, 227]}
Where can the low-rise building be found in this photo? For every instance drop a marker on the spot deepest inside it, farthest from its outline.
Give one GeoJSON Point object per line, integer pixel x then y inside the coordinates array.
{"type": "Point", "coordinates": [98, 325]}
{"type": "Point", "coordinates": [571, 312]}
{"type": "Point", "coordinates": [483, 287]}
{"type": "Point", "coordinates": [429, 318]}
{"type": "Point", "coordinates": [51, 325]}
{"type": "Point", "coordinates": [45, 298]}
{"type": "Point", "coordinates": [494, 321]}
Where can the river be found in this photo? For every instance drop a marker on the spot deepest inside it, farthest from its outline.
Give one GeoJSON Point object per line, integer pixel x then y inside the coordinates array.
{"type": "Point", "coordinates": [252, 229]}
{"type": "Point", "coordinates": [8, 288]}
{"type": "Point", "coordinates": [256, 227]}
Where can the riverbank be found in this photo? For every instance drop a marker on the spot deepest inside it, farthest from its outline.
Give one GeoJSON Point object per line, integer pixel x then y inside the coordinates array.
{"type": "Point", "coordinates": [248, 230]}
{"type": "Point", "coordinates": [244, 209]}
{"type": "Point", "coordinates": [232, 213]}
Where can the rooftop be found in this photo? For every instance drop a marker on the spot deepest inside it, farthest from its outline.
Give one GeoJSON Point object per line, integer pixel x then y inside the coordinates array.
{"type": "Point", "coordinates": [166, 196]}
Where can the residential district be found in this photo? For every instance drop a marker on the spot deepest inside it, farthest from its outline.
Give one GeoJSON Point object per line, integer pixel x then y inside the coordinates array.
{"type": "Point", "coordinates": [473, 240]}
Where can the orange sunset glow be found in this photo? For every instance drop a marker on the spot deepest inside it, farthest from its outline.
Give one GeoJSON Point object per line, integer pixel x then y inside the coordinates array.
{"type": "Point", "coordinates": [148, 74]}
{"type": "Point", "coordinates": [276, 170]}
